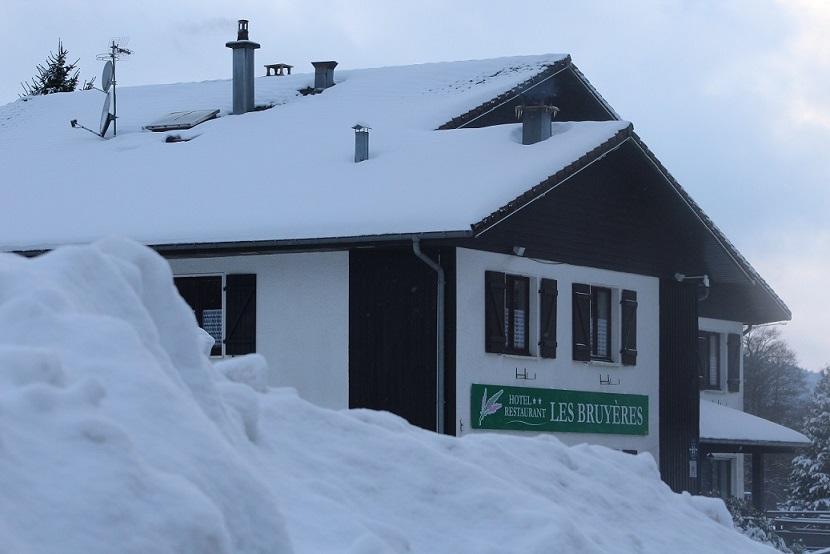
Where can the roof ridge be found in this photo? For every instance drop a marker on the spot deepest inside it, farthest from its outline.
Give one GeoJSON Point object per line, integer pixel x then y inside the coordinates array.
{"type": "Point", "coordinates": [549, 70]}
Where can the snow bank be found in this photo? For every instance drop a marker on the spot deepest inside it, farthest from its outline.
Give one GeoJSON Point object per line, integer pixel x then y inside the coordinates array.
{"type": "Point", "coordinates": [118, 435]}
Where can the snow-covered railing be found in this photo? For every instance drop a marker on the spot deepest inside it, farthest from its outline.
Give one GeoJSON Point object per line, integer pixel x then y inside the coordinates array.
{"type": "Point", "coordinates": [810, 528]}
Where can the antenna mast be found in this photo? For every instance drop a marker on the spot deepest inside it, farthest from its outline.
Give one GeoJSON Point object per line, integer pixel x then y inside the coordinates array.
{"type": "Point", "coordinates": [115, 53]}
{"type": "Point", "coordinates": [107, 82]}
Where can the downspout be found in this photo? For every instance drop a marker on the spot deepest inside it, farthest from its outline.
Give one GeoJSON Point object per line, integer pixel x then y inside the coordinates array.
{"type": "Point", "coordinates": [439, 333]}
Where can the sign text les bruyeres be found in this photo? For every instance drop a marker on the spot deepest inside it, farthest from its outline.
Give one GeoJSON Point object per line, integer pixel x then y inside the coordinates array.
{"type": "Point", "coordinates": [564, 411]}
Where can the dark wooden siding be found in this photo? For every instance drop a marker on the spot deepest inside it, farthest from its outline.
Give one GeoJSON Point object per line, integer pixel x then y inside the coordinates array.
{"type": "Point", "coordinates": [392, 326]}
{"type": "Point", "coordinates": [448, 262]}
{"type": "Point", "coordinates": [620, 214]}
{"type": "Point", "coordinates": [679, 388]}
{"type": "Point", "coordinates": [613, 214]}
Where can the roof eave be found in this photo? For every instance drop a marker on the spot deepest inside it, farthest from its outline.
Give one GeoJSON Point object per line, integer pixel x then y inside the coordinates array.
{"type": "Point", "coordinates": [752, 275]}
{"type": "Point", "coordinates": [746, 444]}
{"type": "Point", "coordinates": [274, 245]}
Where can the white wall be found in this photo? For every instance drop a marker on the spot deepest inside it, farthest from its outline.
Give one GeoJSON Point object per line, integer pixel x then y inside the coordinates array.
{"type": "Point", "coordinates": [302, 325]}
{"type": "Point", "coordinates": [732, 399]}
{"type": "Point", "coordinates": [474, 365]}
{"type": "Point", "coordinates": [723, 396]}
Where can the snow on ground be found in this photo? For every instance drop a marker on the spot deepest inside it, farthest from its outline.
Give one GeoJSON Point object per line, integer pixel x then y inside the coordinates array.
{"type": "Point", "coordinates": [289, 169]}
{"type": "Point", "coordinates": [117, 434]}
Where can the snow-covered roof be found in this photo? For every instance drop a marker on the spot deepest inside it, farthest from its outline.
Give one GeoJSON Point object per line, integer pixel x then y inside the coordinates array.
{"type": "Point", "coordinates": [279, 174]}
{"type": "Point", "coordinates": [724, 425]}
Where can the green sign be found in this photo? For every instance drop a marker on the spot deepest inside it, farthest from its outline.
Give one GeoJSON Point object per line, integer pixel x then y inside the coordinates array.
{"type": "Point", "coordinates": [560, 411]}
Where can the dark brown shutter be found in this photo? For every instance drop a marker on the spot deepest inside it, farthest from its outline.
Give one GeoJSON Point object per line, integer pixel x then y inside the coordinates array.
{"type": "Point", "coordinates": [628, 347]}
{"type": "Point", "coordinates": [547, 318]}
{"type": "Point", "coordinates": [240, 314]}
{"type": "Point", "coordinates": [494, 339]}
{"type": "Point", "coordinates": [702, 359]}
{"type": "Point", "coordinates": [733, 376]}
{"type": "Point", "coordinates": [581, 322]}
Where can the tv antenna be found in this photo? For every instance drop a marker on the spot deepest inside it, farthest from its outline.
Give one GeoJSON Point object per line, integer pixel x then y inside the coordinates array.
{"type": "Point", "coordinates": [116, 51]}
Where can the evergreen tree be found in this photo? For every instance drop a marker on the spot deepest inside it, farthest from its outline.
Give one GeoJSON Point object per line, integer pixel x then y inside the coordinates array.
{"type": "Point", "coordinates": [57, 76]}
{"type": "Point", "coordinates": [774, 389]}
{"type": "Point", "coordinates": [810, 476]}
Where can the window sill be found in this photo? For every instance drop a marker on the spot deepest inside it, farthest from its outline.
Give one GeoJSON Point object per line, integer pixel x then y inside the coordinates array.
{"type": "Point", "coordinates": [518, 356]}
{"type": "Point", "coordinates": [707, 389]}
{"type": "Point", "coordinates": [604, 363]}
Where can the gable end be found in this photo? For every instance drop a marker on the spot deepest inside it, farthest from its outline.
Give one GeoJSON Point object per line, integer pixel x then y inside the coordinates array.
{"type": "Point", "coordinates": [553, 181]}
{"type": "Point", "coordinates": [464, 119]}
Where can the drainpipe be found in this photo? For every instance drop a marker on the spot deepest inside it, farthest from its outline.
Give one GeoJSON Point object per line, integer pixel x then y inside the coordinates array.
{"type": "Point", "coordinates": [439, 333]}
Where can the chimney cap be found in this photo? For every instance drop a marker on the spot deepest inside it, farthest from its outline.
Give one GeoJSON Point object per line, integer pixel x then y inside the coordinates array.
{"type": "Point", "coordinates": [242, 32]}
{"type": "Point", "coordinates": [324, 65]}
{"type": "Point", "coordinates": [358, 127]}
{"type": "Point", "coordinates": [242, 40]}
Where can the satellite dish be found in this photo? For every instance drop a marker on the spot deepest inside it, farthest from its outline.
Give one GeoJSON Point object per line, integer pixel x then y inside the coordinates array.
{"type": "Point", "coordinates": [106, 116]}
{"type": "Point", "coordinates": [106, 76]}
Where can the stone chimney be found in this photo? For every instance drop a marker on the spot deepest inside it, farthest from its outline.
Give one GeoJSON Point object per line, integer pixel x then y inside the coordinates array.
{"type": "Point", "coordinates": [243, 69]}
{"type": "Point", "coordinates": [323, 74]}
{"type": "Point", "coordinates": [536, 121]}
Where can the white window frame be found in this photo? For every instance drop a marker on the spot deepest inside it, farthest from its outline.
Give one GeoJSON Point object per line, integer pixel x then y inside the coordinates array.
{"type": "Point", "coordinates": [533, 315]}
{"type": "Point", "coordinates": [722, 368]}
{"type": "Point", "coordinates": [616, 326]}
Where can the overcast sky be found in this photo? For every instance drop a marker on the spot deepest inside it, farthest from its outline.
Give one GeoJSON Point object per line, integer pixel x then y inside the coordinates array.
{"type": "Point", "coordinates": [732, 96]}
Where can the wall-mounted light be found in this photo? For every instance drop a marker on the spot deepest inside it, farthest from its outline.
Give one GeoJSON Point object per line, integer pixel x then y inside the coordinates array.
{"type": "Point", "coordinates": [704, 279]}
{"type": "Point", "coordinates": [519, 250]}
{"type": "Point", "coordinates": [704, 282]}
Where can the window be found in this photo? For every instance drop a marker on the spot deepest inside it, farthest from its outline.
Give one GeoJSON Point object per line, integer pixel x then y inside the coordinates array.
{"type": "Point", "coordinates": [601, 323]}
{"type": "Point", "coordinates": [225, 307]}
{"type": "Point", "coordinates": [708, 352]}
{"type": "Point", "coordinates": [517, 312]}
{"type": "Point", "coordinates": [204, 295]}
{"type": "Point", "coordinates": [600, 329]}
{"type": "Point", "coordinates": [507, 315]}
{"type": "Point", "coordinates": [716, 477]}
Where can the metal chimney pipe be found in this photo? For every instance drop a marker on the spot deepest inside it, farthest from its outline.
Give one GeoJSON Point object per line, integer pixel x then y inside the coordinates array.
{"type": "Point", "coordinates": [323, 74]}
{"type": "Point", "coordinates": [536, 122]}
{"type": "Point", "coordinates": [361, 142]}
{"type": "Point", "coordinates": [243, 69]}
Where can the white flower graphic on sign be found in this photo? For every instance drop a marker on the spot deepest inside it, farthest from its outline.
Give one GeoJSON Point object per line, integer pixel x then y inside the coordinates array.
{"type": "Point", "coordinates": [489, 406]}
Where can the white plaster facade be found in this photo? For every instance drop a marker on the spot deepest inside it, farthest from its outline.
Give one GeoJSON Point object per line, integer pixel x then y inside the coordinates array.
{"type": "Point", "coordinates": [303, 332]}
{"type": "Point", "coordinates": [474, 365]}
{"type": "Point", "coordinates": [302, 317]}
{"type": "Point", "coordinates": [723, 396]}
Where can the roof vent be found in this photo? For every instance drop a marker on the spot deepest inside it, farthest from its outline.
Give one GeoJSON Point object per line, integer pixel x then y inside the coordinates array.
{"type": "Point", "coordinates": [361, 142]}
{"type": "Point", "coordinates": [323, 74]}
{"type": "Point", "coordinates": [243, 69]}
{"type": "Point", "coordinates": [242, 32]}
{"type": "Point", "coordinates": [536, 120]}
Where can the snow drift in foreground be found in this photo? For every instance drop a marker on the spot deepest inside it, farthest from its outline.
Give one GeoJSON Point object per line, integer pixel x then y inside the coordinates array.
{"type": "Point", "coordinates": [117, 434]}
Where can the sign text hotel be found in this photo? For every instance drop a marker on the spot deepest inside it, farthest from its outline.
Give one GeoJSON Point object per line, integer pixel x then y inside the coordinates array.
{"type": "Point", "coordinates": [556, 410]}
